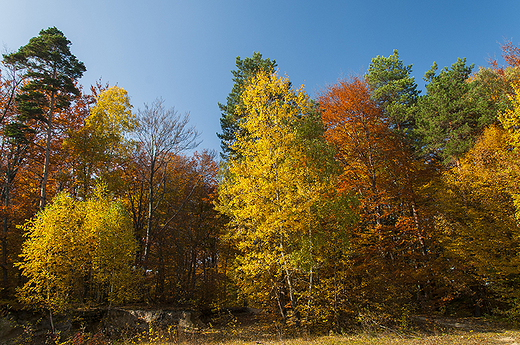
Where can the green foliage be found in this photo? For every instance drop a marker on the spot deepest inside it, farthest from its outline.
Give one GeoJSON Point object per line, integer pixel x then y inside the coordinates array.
{"type": "Point", "coordinates": [451, 116]}
{"type": "Point", "coordinates": [231, 111]}
{"type": "Point", "coordinates": [491, 90]}
{"type": "Point", "coordinates": [51, 69]}
{"type": "Point", "coordinates": [394, 89]}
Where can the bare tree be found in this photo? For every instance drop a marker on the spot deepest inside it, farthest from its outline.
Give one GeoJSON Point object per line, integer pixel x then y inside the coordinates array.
{"type": "Point", "coordinates": [161, 133]}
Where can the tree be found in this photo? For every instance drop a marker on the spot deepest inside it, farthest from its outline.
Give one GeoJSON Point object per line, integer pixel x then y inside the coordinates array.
{"type": "Point", "coordinates": [510, 118]}
{"type": "Point", "coordinates": [360, 133]}
{"type": "Point", "coordinates": [511, 54]}
{"type": "Point", "coordinates": [477, 197]}
{"type": "Point", "coordinates": [394, 89]}
{"type": "Point", "coordinates": [51, 72]}
{"type": "Point", "coordinates": [271, 193]}
{"type": "Point", "coordinates": [113, 249]}
{"type": "Point", "coordinates": [100, 146]}
{"type": "Point", "coordinates": [476, 218]}
{"type": "Point", "coordinates": [499, 79]}
{"type": "Point", "coordinates": [451, 116]}
{"type": "Point", "coordinates": [161, 134]}
{"type": "Point", "coordinates": [389, 243]}
{"type": "Point", "coordinates": [71, 240]}
{"type": "Point", "coordinates": [13, 151]}
{"type": "Point", "coordinates": [184, 260]}
{"type": "Point", "coordinates": [491, 90]}
{"type": "Point", "coordinates": [231, 111]}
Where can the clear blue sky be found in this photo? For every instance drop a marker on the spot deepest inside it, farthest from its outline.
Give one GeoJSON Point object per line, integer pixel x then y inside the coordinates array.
{"type": "Point", "coordinates": [183, 51]}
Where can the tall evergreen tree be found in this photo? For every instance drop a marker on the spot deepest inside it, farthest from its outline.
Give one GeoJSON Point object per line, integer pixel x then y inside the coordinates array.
{"type": "Point", "coordinates": [51, 71]}
{"type": "Point", "coordinates": [394, 89]}
{"type": "Point", "coordinates": [451, 116]}
{"type": "Point", "coordinates": [233, 111]}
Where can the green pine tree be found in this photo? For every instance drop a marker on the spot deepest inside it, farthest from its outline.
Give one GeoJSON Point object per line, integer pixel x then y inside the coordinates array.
{"type": "Point", "coordinates": [233, 110]}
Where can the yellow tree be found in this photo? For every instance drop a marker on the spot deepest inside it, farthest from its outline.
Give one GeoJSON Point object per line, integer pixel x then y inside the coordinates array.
{"type": "Point", "coordinates": [477, 196]}
{"type": "Point", "coordinates": [71, 244]}
{"type": "Point", "coordinates": [113, 249]}
{"type": "Point", "coordinates": [51, 259]}
{"type": "Point", "coordinates": [477, 218]}
{"type": "Point", "coordinates": [271, 192]}
{"type": "Point", "coordinates": [510, 120]}
{"type": "Point", "coordinates": [99, 147]}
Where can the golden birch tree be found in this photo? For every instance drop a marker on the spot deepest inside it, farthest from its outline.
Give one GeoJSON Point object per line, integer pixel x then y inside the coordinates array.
{"type": "Point", "coordinates": [271, 193]}
{"type": "Point", "coordinates": [74, 247]}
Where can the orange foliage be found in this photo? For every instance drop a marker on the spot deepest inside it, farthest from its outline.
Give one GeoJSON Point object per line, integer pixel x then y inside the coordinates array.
{"type": "Point", "coordinates": [390, 239]}
{"type": "Point", "coordinates": [21, 167]}
{"type": "Point", "coordinates": [184, 255]}
{"type": "Point", "coordinates": [511, 55]}
{"type": "Point", "coordinates": [356, 127]}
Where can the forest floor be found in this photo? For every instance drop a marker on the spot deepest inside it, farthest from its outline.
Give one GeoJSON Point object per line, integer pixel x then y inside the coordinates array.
{"type": "Point", "coordinates": [255, 328]}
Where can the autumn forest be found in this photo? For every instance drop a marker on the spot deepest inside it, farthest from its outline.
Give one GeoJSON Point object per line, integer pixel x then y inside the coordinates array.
{"type": "Point", "coordinates": [373, 198]}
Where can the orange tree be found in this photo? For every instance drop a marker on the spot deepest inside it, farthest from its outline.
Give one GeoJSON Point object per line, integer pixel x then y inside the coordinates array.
{"type": "Point", "coordinates": [391, 258]}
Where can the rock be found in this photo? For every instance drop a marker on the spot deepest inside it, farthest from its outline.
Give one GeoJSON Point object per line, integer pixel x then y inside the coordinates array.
{"type": "Point", "coordinates": [185, 321]}
{"type": "Point", "coordinates": [112, 323]}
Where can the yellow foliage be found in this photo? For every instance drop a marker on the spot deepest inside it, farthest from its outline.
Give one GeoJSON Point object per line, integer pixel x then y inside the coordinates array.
{"type": "Point", "coordinates": [115, 245]}
{"type": "Point", "coordinates": [70, 240]}
{"type": "Point", "coordinates": [270, 192]}
{"type": "Point", "coordinates": [478, 206]}
{"type": "Point", "coordinates": [112, 113]}
{"type": "Point", "coordinates": [51, 260]}
{"type": "Point", "coordinates": [510, 119]}
{"type": "Point", "coordinates": [98, 148]}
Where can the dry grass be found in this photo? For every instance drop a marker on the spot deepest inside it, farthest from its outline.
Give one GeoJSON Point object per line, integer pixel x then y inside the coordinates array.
{"type": "Point", "coordinates": [465, 338]}
{"type": "Point", "coordinates": [462, 331]}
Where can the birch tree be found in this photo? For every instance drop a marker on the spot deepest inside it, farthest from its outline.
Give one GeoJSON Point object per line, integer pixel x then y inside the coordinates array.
{"type": "Point", "coordinates": [271, 192]}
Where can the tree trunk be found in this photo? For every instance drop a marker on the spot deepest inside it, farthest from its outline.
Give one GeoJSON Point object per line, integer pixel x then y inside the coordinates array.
{"type": "Point", "coordinates": [150, 214]}
{"type": "Point", "coordinates": [5, 228]}
{"type": "Point", "coordinates": [43, 194]}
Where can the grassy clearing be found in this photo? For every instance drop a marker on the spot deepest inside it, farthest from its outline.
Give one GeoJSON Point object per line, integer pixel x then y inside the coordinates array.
{"type": "Point", "coordinates": [429, 331]}
{"type": "Point", "coordinates": [461, 338]}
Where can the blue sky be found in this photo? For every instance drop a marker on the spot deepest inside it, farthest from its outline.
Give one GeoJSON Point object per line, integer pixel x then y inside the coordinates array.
{"type": "Point", "coordinates": [183, 51]}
